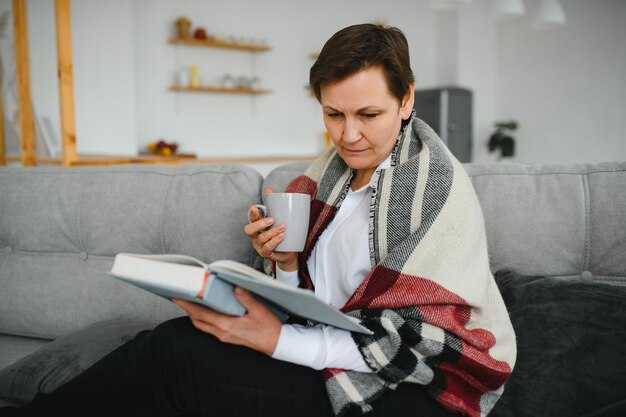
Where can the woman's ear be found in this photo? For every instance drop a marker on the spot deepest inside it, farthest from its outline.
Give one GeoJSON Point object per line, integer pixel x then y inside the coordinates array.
{"type": "Point", "coordinates": [406, 107]}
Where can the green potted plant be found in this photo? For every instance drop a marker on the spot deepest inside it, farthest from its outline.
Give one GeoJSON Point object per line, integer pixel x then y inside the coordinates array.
{"type": "Point", "coordinates": [501, 141]}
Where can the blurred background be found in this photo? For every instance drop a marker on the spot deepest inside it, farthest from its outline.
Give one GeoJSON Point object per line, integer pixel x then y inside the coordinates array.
{"type": "Point", "coordinates": [532, 81]}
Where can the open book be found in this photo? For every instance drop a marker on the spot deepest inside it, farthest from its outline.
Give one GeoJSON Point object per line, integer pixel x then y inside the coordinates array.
{"type": "Point", "coordinates": [188, 278]}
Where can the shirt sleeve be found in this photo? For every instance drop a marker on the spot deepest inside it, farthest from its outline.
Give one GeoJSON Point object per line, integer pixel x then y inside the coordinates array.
{"type": "Point", "coordinates": [290, 277]}
{"type": "Point", "coordinates": [319, 347]}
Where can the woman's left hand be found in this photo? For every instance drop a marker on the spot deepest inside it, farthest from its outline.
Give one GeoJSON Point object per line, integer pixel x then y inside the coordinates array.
{"type": "Point", "coordinates": [258, 329]}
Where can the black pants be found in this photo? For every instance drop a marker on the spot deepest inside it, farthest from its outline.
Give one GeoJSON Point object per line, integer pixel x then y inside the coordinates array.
{"type": "Point", "coordinates": [176, 370]}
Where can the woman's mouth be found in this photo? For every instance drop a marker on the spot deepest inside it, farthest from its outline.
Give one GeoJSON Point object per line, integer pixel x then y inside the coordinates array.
{"type": "Point", "coordinates": [354, 151]}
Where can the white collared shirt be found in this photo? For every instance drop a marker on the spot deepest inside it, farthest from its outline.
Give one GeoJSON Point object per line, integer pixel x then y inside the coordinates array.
{"type": "Point", "coordinates": [338, 264]}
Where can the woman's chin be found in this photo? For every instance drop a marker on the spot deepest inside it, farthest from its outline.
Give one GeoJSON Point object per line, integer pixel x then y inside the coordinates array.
{"type": "Point", "coordinates": [355, 161]}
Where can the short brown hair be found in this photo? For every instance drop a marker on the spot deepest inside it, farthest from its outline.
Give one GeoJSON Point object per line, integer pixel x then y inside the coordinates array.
{"type": "Point", "coordinates": [359, 47]}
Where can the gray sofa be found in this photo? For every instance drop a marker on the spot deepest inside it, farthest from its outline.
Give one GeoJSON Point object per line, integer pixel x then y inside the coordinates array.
{"type": "Point", "coordinates": [61, 227]}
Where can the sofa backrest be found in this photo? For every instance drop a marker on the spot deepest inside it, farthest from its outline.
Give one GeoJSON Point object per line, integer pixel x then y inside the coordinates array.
{"type": "Point", "coordinates": [61, 227]}
{"type": "Point", "coordinates": [555, 220]}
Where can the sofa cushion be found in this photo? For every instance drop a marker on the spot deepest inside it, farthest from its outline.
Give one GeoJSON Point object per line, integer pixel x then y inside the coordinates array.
{"type": "Point", "coordinates": [555, 219]}
{"type": "Point", "coordinates": [60, 229]}
{"type": "Point", "coordinates": [57, 362]}
{"type": "Point", "coordinates": [570, 338]}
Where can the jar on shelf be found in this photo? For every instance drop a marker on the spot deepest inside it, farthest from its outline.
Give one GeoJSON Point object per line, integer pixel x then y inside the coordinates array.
{"type": "Point", "coordinates": [182, 78]}
{"type": "Point", "coordinates": [255, 83]}
{"type": "Point", "coordinates": [183, 27]}
{"type": "Point", "coordinates": [243, 82]}
{"type": "Point", "coordinates": [228, 81]}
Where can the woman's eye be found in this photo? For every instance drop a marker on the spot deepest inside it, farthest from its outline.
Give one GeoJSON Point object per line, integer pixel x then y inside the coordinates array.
{"type": "Point", "coordinates": [370, 115]}
{"type": "Point", "coordinates": [333, 115]}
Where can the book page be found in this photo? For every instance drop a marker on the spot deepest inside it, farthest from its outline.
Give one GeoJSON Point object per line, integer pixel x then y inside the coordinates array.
{"type": "Point", "coordinates": [170, 257]}
{"type": "Point", "coordinates": [244, 270]}
{"type": "Point", "coordinates": [187, 277]}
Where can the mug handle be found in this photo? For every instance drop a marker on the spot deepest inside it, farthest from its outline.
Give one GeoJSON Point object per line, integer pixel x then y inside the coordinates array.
{"type": "Point", "coordinates": [262, 210]}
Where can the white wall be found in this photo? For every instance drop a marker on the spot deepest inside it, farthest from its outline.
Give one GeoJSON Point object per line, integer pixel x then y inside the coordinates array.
{"type": "Point", "coordinates": [287, 121]}
{"type": "Point", "coordinates": [104, 76]}
{"type": "Point", "coordinates": [478, 71]}
{"type": "Point", "coordinates": [567, 86]}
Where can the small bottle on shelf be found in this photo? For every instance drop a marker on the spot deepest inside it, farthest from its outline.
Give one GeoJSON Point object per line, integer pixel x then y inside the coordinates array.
{"type": "Point", "coordinates": [194, 76]}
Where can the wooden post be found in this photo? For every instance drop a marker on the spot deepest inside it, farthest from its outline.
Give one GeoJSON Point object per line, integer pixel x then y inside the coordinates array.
{"type": "Point", "coordinates": [22, 64]}
{"type": "Point", "coordinates": [3, 149]}
{"type": "Point", "coordinates": [69, 154]}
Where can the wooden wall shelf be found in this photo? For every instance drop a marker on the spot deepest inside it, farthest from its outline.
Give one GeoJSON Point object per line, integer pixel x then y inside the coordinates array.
{"type": "Point", "coordinates": [270, 159]}
{"type": "Point", "coordinates": [213, 43]}
{"type": "Point", "coordinates": [226, 90]}
{"type": "Point", "coordinates": [90, 160]}
{"type": "Point", "coordinates": [183, 159]}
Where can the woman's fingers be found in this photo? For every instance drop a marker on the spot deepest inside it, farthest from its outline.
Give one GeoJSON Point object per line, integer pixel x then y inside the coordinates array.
{"type": "Point", "coordinates": [253, 229]}
{"type": "Point", "coordinates": [265, 238]}
{"type": "Point", "coordinates": [255, 214]}
{"type": "Point", "coordinates": [202, 317]}
{"type": "Point", "coordinates": [270, 234]}
{"type": "Point", "coordinates": [269, 240]}
{"type": "Point", "coordinates": [258, 329]}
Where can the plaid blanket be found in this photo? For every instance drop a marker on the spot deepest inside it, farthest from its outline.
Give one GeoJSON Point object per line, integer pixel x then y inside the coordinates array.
{"type": "Point", "coordinates": [430, 299]}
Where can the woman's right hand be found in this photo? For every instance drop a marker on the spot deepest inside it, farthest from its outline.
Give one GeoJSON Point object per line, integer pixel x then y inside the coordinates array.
{"type": "Point", "coordinates": [265, 239]}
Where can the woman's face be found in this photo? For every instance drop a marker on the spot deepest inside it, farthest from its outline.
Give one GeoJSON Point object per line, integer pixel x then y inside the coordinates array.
{"type": "Point", "coordinates": [363, 118]}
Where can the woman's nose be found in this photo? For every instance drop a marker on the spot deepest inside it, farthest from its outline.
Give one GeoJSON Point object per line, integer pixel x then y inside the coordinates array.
{"type": "Point", "coordinates": [352, 131]}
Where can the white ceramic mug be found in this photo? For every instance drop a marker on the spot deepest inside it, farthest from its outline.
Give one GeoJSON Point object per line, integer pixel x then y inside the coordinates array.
{"type": "Point", "coordinates": [292, 210]}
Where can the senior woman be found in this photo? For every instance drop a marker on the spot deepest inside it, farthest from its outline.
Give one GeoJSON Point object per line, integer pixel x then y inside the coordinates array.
{"type": "Point", "coordinates": [396, 239]}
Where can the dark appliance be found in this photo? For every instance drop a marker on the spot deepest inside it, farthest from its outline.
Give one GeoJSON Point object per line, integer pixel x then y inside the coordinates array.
{"type": "Point", "coordinates": [448, 110]}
